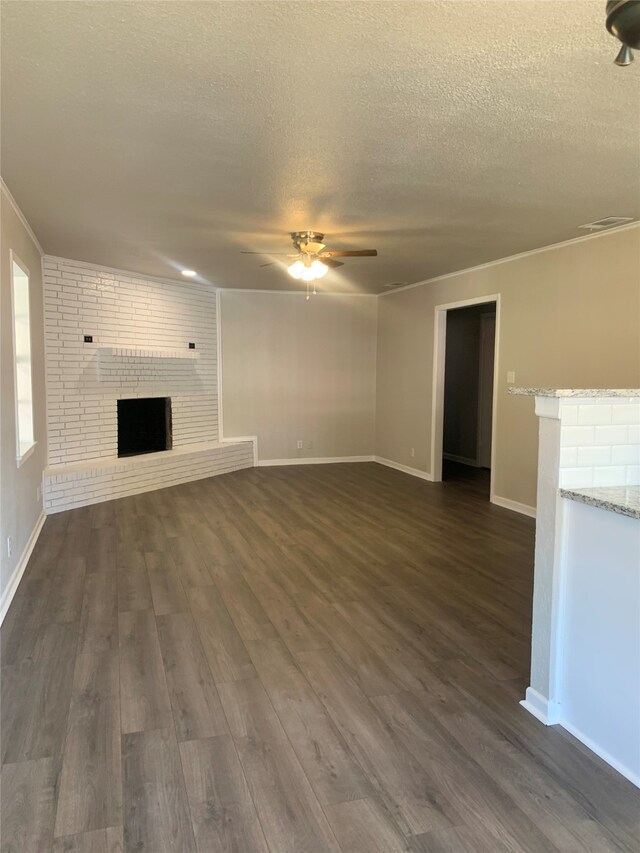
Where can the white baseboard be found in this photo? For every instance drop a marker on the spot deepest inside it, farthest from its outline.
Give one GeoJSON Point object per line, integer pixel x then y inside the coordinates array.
{"type": "Point", "coordinates": [12, 586]}
{"type": "Point", "coordinates": [550, 713]}
{"type": "Point", "coordinates": [541, 708]}
{"type": "Point", "coordinates": [415, 472]}
{"type": "Point", "coordinates": [602, 753]}
{"type": "Point", "coordinates": [515, 506]}
{"type": "Point", "coordinates": [462, 460]}
{"type": "Point", "coordinates": [314, 460]}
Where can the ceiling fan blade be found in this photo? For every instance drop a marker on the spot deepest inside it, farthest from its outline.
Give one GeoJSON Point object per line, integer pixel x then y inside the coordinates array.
{"type": "Point", "coordinates": [355, 253]}
{"type": "Point", "coordinates": [330, 262]}
{"type": "Point", "coordinates": [270, 264]}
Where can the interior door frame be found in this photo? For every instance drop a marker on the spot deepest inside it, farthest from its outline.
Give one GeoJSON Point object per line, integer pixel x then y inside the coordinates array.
{"type": "Point", "coordinates": [437, 395]}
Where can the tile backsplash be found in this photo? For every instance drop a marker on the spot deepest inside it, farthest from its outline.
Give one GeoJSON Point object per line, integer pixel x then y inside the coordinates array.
{"type": "Point", "coordinates": [600, 442]}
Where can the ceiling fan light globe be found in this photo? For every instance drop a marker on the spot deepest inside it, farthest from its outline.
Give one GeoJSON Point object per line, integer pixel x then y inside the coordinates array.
{"type": "Point", "coordinates": [295, 270]}
{"type": "Point", "coordinates": [308, 274]}
{"type": "Point", "coordinates": [319, 268]}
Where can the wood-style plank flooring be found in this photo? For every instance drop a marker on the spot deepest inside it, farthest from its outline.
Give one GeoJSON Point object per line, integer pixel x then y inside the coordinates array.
{"type": "Point", "coordinates": [315, 658]}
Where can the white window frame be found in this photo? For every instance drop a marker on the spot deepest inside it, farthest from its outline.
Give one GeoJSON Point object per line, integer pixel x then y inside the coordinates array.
{"type": "Point", "coordinates": [26, 452]}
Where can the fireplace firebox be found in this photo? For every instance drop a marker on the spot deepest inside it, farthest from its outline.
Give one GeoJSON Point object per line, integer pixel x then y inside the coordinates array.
{"type": "Point", "coordinates": [144, 425]}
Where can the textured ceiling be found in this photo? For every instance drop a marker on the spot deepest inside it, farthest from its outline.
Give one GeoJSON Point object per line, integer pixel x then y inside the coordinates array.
{"type": "Point", "coordinates": [156, 135]}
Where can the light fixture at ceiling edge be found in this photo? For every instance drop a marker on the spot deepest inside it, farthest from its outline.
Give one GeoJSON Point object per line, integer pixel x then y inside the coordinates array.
{"type": "Point", "coordinates": [623, 22]}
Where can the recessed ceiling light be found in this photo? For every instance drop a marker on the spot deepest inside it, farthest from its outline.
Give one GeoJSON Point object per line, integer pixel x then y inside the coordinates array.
{"type": "Point", "coordinates": [189, 273]}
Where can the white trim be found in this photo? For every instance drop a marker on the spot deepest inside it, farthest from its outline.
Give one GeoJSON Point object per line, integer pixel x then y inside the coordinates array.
{"type": "Point", "coordinates": [414, 472]}
{"type": "Point", "coordinates": [514, 506]}
{"type": "Point", "coordinates": [132, 273]}
{"type": "Point", "coordinates": [547, 407]}
{"type": "Point", "coordinates": [550, 713]}
{"type": "Point", "coordinates": [14, 580]}
{"type": "Point", "coordinates": [314, 460]}
{"type": "Point", "coordinates": [542, 708]}
{"type": "Point", "coordinates": [462, 460]}
{"type": "Point", "coordinates": [625, 771]}
{"type": "Point", "coordinates": [558, 600]}
{"type": "Point", "coordinates": [437, 393]}
{"type": "Point", "coordinates": [14, 204]}
{"type": "Point", "coordinates": [509, 258]}
{"type": "Point", "coordinates": [26, 454]}
{"type": "Point", "coordinates": [494, 403]}
{"type": "Point", "coordinates": [15, 260]}
{"type": "Point", "coordinates": [46, 377]}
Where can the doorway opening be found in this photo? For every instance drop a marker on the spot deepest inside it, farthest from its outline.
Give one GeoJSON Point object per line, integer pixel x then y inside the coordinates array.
{"type": "Point", "coordinates": [465, 369]}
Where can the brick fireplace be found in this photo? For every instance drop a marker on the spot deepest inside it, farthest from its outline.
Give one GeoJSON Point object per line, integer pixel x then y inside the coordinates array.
{"type": "Point", "coordinates": [113, 336]}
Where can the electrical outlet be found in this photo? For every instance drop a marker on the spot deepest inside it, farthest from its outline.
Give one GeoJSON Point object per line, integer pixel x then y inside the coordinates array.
{"type": "Point", "coordinates": [309, 445]}
{"type": "Point", "coordinates": [511, 377]}
{"type": "Point", "coordinates": [413, 453]}
{"type": "Point", "coordinates": [299, 444]}
{"type": "Point", "coordinates": [9, 546]}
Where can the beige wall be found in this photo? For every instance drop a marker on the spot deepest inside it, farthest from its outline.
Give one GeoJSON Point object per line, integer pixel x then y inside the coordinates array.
{"type": "Point", "coordinates": [299, 370]}
{"type": "Point", "coordinates": [19, 510]}
{"type": "Point", "coordinates": [570, 317]}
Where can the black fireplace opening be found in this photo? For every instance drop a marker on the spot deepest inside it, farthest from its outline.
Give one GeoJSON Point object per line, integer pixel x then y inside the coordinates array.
{"type": "Point", "coordinates": [144, 426]}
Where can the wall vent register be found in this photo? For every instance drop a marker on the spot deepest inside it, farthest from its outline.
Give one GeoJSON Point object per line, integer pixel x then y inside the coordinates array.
{"type": "Point", "coordinates": [144, 425]}
{"type": "Point", "coordinates": [607, 222]}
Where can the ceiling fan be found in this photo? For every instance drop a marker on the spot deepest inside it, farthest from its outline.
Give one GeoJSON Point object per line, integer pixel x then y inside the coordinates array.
{"type": "Point", "coordinates": [623, 22]}
{"type": "Point", "coordinates": [311, 259]}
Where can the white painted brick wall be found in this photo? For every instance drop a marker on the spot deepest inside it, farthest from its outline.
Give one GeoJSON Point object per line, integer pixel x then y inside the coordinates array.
{"type": "Point", "coordinates": [141, 331]}
{"type": "Point", "coordinates": [122, 311]}
{"type": "Point", "coordinates": [70, 486]}
{"type": "Point", "coordinates": [600, 442]}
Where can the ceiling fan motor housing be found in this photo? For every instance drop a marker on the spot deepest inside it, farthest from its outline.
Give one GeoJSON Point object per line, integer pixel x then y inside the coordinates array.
{"type": "Point", "coordinates": [301, 239]}
{"type": "Point", "coordinates": [623, 21]}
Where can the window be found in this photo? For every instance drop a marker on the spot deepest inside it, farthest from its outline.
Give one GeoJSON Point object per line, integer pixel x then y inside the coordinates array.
{"type": "Point", "coordinates": [25, 440]}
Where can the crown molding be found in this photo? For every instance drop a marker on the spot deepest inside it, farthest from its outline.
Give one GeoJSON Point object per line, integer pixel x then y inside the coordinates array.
{"type": "Point", "coordinates": [628, 227]}
{"type": "Point", "coordinates": [14, 204]}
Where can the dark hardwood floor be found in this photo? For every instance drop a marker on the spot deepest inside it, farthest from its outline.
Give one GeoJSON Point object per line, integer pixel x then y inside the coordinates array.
{"type": "Point", "coordinates": [316, 658]}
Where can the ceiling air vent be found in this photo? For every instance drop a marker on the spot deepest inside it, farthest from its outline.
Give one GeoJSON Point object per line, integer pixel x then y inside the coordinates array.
{"type": "Point", "coordinates": [607, 222]}
{"type": "Point", "coordinates": [397, 284]}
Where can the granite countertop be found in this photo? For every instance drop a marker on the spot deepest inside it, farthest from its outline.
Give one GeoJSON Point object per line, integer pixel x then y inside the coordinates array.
{"type": "Point", "coordinates": [576, 392]}
{"type": "Point", "coordinates": [625, 500]}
